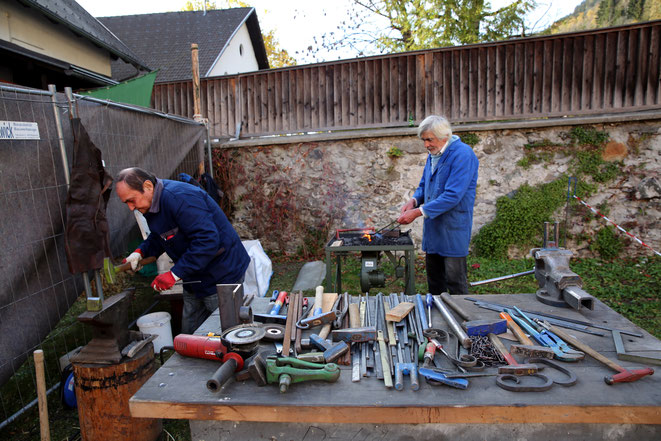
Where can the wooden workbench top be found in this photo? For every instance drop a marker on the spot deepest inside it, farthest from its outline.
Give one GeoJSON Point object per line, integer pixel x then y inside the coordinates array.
{"type": "Point", "coordinates": [178, 389]}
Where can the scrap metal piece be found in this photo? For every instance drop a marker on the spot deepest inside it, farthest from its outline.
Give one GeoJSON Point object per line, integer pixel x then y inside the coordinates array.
{"type": "Point", "coordinates": [354, 335]}
{"type": "Point", "coordinates": [570, 381]}
{"type": "Point", "coordinates": [244, 334]}
{"type": "Point", "coordinates": [622, 354]}
{"type": "Point", "coordinates": [502, 382]}
{"type": "Point", "coordinates": [273, 331]}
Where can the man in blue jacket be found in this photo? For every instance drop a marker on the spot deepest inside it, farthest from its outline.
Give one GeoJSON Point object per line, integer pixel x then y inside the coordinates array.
{"type": "Point", "coordinates": [188, 225]}
{"type": "Point", "coordinates": [445, 197]}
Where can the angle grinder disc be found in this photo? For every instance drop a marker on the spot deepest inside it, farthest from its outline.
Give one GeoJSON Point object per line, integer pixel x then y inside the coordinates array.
{"type": "Point", "coordinates": [273, 332]}
{"type": "Point", "coordinates": [243, 334]}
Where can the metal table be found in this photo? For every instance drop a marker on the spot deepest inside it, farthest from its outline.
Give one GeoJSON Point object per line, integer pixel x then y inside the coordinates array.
{"type": "Point", "coordinates": [590, 410]}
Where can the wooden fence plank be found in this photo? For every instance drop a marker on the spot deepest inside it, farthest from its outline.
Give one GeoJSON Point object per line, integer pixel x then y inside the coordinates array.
{"type": "Point", "coordinates": [652, 90]}
{"type": "Point", "coordinates": [500, 81]}
{"type": "Point", "coordinates": [576, 87]}
{"type": "Point", "coordinates": [402, 67]}
{"type": "Point", "coordinates": [456, 86]}
{"type": "Point", "coordinates": [588, 72]}
{"type": "Point", "coordinates": [632, 67]}
{"type": "Point", "coordinates": [620, 68]}
{"type": "Point", "coordinates": [598, 90]}
{"type": "Point", "coordinates": [641, 72]}
{"type": "Point", "coordinates": [300, 96]}
{"type": "Point", "coordinates": [361, 93]}
{"type": "Point", "coordinates": [329, 96]}
{"type": "Point", "coordinates": [307, 98]}
{"type": "Point", "coordinates": [558, 58]}
{"type": "Point", "coordinates": [395, 98]}
{"type": "Point", "coordinates": [538, 77]}
{"type": "Point", "coordinates": [337, 94]}
{"type": "Point", "coordinates": [528, 78]}
{"type": "Point", "coordinates": [345, 90]}
{"type": "Point", "coordinates": [418, 104]}
{"type": "Point", "coordinates": [466, 83]}
{"type": "Point", "coordinates": [439, 108]}
{"type": "Point", "coordinates": [385, 90]}
{"type": "Point", "coordinates": [429, 84]}
{"type": "Point", "coordinates": [369, 82]}
{"type": "Point", "coordinates": [278, 101]}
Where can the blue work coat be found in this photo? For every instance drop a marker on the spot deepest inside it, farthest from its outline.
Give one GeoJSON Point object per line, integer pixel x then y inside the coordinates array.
{"type": "Point", "coordinates": [192, 229]}
{"type": "Point", "coordinates": [448, 195]}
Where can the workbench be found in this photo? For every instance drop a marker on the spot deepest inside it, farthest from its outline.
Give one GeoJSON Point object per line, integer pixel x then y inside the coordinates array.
{"type": "Point", "coordinates": [366, 410]}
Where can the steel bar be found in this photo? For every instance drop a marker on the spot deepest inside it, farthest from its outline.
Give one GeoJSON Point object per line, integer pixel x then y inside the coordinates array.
{"type": "Point", "coordinates": [452, 322]}
{"type": "Point", "coordinates": [622, 354]}
{"type": "Point", "coordinates": [498, 279]}
{"type": "Point", "coordinates": [556, 317]}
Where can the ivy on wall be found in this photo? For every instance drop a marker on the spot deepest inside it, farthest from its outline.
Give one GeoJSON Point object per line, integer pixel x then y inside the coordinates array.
{"type": "Point", "coordinates": [519, 218]}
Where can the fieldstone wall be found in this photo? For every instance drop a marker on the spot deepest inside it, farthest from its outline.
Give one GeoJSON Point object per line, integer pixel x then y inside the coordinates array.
{"type": "Point", "coordinates": [356, 183]}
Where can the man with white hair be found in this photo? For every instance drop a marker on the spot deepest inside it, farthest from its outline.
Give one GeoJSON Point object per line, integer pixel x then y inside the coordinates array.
{"type": "Point", "coordinates": [445, 198]}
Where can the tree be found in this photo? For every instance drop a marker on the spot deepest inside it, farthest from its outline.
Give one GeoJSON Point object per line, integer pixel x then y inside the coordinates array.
{"type": "Point", "coordinates": [421, 24]}
{"type": "Point", "coordinates": [277, 56]}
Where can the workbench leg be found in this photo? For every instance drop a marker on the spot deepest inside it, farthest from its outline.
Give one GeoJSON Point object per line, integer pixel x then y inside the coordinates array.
{"type": "Point", "coordinates": [410, 273]}
{"type": "Point", "coordinates": [329, 275]}
{"type": "Point", "coordinates": [338, 276]}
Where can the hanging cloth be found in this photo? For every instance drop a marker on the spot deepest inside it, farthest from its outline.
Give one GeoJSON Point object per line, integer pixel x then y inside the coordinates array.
{"type": "Point", "coordinates": [87, 239]}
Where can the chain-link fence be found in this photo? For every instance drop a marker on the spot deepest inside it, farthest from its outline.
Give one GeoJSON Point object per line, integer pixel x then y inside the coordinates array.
{"type": "Point", "coordinates": [36, 288]}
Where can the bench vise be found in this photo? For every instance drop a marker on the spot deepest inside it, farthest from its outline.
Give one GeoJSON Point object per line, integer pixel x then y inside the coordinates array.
{"type": "Point", "coordinates": [558, 284]}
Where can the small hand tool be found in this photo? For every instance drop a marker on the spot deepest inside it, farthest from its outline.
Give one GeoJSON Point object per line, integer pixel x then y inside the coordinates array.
{"type": "Point", "coordinates": [512, 368]}
{"type": "Point", "coordinates": [447, 298]}
{"type": "Point", "coordinates": [429, 300]}
{"type": "Point", "coordinates": [410, 369]}
{"type": "Point", "coordinates": [434, 377]}
{"type": "Point", "coordinates": [280, 300]}
{"type": "Point", "coordinates": [532, 351]}
{"type": "Point", "coordinates": [623, 376]}
{"type": "Point", "coordinates": [331, 352]}
{"type": "Point", "coordinates": [110, 270]}
{"type": "Point", "coordinates": [232, 362]}
{"type": "Point", "coordinates": [287, 370]}
{"type": "Point", "coordinates": [318, 317]}
{"type": "Point", "coordinates": [274, 296]}
{"type": "Point", "coordinates": [384, 228]}
{"type": "Point", "coordinates": [485, 327]}
{"type": "Point", "coordinates": [516, 330]}
{"type": "Point", "coordinates": [354, 335]}
{"type": "Point", "coordinates": [546, 337]}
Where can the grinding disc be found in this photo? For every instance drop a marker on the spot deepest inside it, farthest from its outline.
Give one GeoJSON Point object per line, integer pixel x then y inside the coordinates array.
{"type": "Point", "coordinates": [243, 334]}
{"type": "Point", "coordinates": [274, 332]}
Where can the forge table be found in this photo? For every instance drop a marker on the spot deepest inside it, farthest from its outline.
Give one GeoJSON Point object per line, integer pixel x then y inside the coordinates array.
{"type": "Point", "coordinates": [589, 410]}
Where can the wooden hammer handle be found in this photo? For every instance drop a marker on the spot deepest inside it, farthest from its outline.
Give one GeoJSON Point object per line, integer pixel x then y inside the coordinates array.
{"type": "Point", "coordinates": [516, 330]}
{"type": "Point", "coordinates": [127, 266]}
{"type": "Point", "coordinates": [585, 348]}
{"type": "Point", "coordinates": [495, 341]}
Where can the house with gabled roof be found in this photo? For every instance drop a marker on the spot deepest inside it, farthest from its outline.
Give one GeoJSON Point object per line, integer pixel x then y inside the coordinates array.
{"type": "Point", "coordinates": [57, 42]}
{"type": "Point", "coordinates": [230, 41]}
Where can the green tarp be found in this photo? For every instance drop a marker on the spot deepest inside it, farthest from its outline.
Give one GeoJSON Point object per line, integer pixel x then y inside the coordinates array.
{"type": "Point", "coordinates": [136, 91]}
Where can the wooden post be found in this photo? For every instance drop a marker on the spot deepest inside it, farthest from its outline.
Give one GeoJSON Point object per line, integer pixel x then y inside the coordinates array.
{"type": "Point", "coordinates": [103, 393]}
{"type": "Point", "coordinates": [41, 395]}
{"type": "Point", "coordinates": [197, 115]}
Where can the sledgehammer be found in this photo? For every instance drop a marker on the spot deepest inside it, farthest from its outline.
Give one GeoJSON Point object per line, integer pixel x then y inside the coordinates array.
{"type": "Point", "coordinates": [109, 269]}
{"type": "Point", "coordinates": [623, 375]}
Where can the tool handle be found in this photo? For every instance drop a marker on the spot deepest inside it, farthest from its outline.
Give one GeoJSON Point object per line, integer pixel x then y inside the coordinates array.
{"type": "Point", "coordinates": [318, 300]}
{"type": "Point", "coordinates": [447, 298]}
{"type": "Point", "coordinates": [41, 394]}
{"type": "Point", "coordinates": [127, 266]}
{"type": "Point", "coordinates": [399, 377]}
{"type": "Point", "coordinates": [222, 375]}
{"type": "Point", "coordinates": [282, 296]}
{"type": "Point", "coordinates": [501, 348]}
{"type": "Point", "coordinates": [516, 330]}
{"type": "Point", "coordinates": [415, 383]}
{"type": "Point", "coordinates": [585, 348]}
{"type": "Point", "coordinates": [354, 315]}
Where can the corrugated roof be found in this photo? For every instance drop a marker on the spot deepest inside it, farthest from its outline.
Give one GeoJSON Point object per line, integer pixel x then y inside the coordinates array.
{"type": "Point", "coordinates": [164, 40]}
{"type": "Point", "coordinates": [77, 19]}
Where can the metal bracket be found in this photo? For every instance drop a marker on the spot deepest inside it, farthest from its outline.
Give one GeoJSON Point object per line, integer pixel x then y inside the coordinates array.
{"type": "Point", "coordinates": [622, 354]}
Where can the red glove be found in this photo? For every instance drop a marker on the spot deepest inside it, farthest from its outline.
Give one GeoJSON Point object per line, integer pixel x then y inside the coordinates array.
{"type": "Point", "coordinates": [164, 281]}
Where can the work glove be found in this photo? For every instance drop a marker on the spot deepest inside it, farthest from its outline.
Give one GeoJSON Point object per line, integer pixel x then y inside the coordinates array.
{"type": "Point", "coordinates": [410, 205]}
{"type": "Point", "coordinates": [164, 281]}
{"type": "Point", "coordinates": [134, 258]}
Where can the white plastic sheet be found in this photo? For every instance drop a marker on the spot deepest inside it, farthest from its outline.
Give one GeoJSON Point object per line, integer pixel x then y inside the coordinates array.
{"type": "Point", "coordinates": [260, 270]}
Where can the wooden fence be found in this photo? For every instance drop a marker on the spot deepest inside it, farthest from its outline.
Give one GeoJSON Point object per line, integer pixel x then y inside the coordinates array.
{"type": "Point", "coordinates": [601, 71]}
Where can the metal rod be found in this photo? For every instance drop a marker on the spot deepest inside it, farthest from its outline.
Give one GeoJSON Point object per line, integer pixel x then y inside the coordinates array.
{"type": "Point", "coordinates": [60, 134]}
{"type": "Point", "coordinates": [498, 279]}
{"type": "Point", "coordinates": [452, 322]}
{"type": "Point", "coordinates": [563, 319]}
{"type": "Point", "coordinates": [25, 408]}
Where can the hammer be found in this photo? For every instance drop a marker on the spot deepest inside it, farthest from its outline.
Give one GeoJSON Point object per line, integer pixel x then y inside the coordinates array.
{"type": "Point", "coordinates": [109, 269]}
{"type": "Point", "coordinates": [512, 366]}
{"type": "Point", "coordinates": [623, 375]}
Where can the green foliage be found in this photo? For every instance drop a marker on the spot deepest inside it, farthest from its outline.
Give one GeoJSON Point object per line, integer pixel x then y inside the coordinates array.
{"type": "Point", "coordinates": [395, 152]}
{"type": "Point", "coordinates": [588, 136]}
{"type": "Point", "coordinates": [519, 218]}
{"type": "Point", "coordinates": [607, 244]}
{"type": "Point", "coordinates": [470, 138]}
{"type": "Point", "coordinates": [590, 163]}
{"type": "Point", "coordinates": [592, 14]}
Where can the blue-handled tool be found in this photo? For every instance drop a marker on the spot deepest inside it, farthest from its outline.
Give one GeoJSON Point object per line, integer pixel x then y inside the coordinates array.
{"type": "Point", "coordinates": [274, 296]}
{"type": "Point", "coordinates": [282, 296]}
{"type": "Point", "coordinates": [420, 309]}
{"type": "Point", "coordinates": [429, 301]}
{"type": "Point", "coordinates": [429, 374]}
{"type": "Point", "coordinates": [544, 337]}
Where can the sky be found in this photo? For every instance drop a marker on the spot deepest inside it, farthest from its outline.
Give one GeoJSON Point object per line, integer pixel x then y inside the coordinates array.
{"type": "Point", "coordinates": [297, 23]}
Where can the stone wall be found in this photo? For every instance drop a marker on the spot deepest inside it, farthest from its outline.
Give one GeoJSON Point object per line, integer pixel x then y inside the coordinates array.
{"type": "Point", "coordinates": [356, 182]}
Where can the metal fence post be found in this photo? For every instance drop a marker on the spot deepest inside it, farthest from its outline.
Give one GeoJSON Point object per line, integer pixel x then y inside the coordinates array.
{"type": "Point", "coordinates": [60, 134]}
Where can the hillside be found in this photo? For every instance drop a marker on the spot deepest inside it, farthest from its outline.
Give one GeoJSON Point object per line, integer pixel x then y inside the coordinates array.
{"type": "Point", "coordinates": [592, 14]}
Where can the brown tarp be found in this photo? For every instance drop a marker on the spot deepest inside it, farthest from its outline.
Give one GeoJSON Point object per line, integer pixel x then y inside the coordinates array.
{"type": "Point", "coordinates": [86, 234]}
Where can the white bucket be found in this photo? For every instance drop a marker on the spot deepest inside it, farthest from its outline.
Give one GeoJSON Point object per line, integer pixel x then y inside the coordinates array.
{"type": "Point", "coordinates": [157, 323]}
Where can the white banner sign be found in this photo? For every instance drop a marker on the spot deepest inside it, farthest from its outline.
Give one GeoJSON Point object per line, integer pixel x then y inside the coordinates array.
{"type": "Point", "coordinates": [19, 130]}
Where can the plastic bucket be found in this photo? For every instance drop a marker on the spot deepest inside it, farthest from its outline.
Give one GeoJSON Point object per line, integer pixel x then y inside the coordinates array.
{"type": "Point", "coordinates": [157, 323]}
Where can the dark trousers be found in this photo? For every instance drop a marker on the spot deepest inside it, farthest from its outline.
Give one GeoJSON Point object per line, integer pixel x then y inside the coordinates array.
{"type": "Point", "coordinates": [446, 274]}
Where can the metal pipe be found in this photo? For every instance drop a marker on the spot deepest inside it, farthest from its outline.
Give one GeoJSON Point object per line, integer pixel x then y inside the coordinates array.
{"type": "Point", "coordinates": [456, 328]}
{"type": "Point", "coordinates": [25, 408]}
{"type": "Point", "coordinates": [28, 90]}
{"type": "Point", "coordinates": [60, 134]}
{"type": "Point", "coordinates": [498, 279]}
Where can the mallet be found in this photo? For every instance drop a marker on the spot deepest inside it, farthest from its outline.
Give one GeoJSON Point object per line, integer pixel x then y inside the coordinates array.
{"type": "Point", "coordinates": [512, 368]}
{"type": "Point", "coordinates": [623, 376]}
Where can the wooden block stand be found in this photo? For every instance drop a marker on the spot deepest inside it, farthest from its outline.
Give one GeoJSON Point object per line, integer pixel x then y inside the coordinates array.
{"type": "Point", "coordinates": [103, 393]}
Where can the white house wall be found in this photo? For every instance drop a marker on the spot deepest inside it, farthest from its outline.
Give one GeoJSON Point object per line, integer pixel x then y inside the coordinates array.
{"type": "Point", "coordinates": [238, 56]}
{"type": "Point", "coordinates": [32, 31]}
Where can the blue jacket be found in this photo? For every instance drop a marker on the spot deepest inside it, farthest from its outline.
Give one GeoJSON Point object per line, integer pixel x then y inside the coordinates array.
{"type": "Point", "coordinates": [448, 195]}
{"type": "Point", "coordinates": [192, 229]}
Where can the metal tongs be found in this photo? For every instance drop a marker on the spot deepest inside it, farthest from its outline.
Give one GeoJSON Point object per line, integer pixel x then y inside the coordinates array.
{"type": "Point", "coordinates": [385, 228]}
{"type": "Point", "coordinates": [545, 337]}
